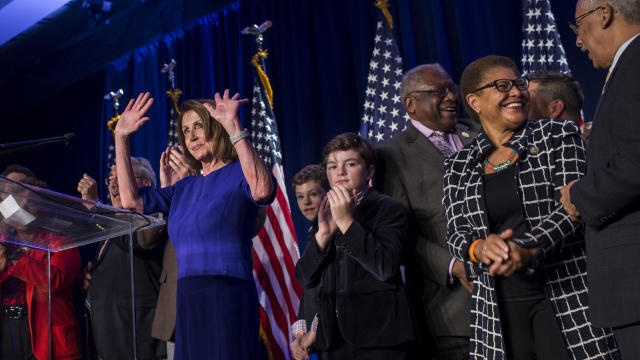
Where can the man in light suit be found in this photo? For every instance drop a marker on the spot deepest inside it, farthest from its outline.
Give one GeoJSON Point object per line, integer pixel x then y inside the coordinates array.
{"type": "Point", "coordinates": [410, 170]}
{"type": "Point", "coordinates": [608, 197]}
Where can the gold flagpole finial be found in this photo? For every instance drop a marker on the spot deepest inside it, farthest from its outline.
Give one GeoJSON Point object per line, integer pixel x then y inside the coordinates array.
{"type": "Point", "coordinates": [172, 93]}
{"type": "Point", "coordinates": [256, 60]}
{"type": "Point", "coordinates": [383, 5]}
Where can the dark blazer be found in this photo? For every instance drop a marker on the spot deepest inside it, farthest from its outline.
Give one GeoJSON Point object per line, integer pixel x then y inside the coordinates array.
{"type": "Point", "coordinates": [308, 308]}
{"type": "Point", "coordinates": [608, 197]}
{"type": "Point", "coordinates": [361, 289]}
{"type": "Point", "coordinates": [410, 170]}
{"type": "Point", "coordinates": [110, 296]}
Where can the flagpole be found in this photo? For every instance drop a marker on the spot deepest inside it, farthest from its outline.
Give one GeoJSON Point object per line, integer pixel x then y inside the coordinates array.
{"type": "Point", "coordinates": [172, 93]}
{"type": "Point", "coordinates": [114, 96]}
{"type": "Point", "coordinates": [275, 246]}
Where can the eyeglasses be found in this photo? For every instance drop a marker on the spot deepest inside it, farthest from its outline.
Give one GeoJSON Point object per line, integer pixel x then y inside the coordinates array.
{"type": "Point", "coordinates": [505, 85]}
{"type": "Point", "coordinates": [575, 23]}
{"type": "Point", "coordinates": [441, 91]}
{"type": "Point", "coordinates": [107, 181]}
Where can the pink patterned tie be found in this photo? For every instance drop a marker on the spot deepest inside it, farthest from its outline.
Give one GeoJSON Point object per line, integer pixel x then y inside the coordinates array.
{"type": "Point", "coordinates": [442, 144]}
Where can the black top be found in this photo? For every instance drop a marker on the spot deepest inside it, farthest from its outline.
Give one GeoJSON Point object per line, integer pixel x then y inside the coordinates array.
{"type": "Point", "coordinates": [505, 211]}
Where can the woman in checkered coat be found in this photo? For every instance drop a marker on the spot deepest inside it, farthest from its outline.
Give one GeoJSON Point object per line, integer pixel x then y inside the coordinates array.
{"type": "Point", "coordinates": [505, 221]}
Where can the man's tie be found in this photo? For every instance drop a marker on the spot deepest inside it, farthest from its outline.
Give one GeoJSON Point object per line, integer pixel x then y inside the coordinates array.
{"type": "Point", "coordinates": [442, 144]}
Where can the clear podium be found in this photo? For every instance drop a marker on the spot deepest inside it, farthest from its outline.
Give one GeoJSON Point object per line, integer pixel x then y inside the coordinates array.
{"type": "Point", "coordinates": [38, 225]}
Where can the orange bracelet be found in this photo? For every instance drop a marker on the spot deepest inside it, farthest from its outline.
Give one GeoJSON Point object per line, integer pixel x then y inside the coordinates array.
{"type": "Point", "coordinates": [473, 246]}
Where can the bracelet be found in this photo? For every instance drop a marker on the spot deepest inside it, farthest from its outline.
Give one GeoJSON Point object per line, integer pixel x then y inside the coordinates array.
{"type": "Point", "coordinates": [473, 246]}
{"type": "Point", "coordinates": [239, 136]}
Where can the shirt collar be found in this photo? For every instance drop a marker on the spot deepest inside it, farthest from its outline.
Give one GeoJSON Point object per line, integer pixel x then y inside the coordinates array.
{"type": "Point", "coordinates": [621, 49]}
{"type": "Point", "coordinates": [361, 194]}
{"type": "Point", "coordinates": [425, 130]}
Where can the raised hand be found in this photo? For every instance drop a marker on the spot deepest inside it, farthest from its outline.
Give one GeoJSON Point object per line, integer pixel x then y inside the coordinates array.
{"type": "Point", "coordinates": [226, 111]}
{"type": "Point", "coordinates": [133, 117]}
{"type": "Point", "coordinates": [173, 167]}
{"type": "Point", "coordinates": [342, 203]}
{"type": "Point", "coordinates": [88, 188]}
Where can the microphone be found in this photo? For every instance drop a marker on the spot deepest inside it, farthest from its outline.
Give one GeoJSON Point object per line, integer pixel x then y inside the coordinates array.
{"type": "Point", "coordinates": [28, 144]}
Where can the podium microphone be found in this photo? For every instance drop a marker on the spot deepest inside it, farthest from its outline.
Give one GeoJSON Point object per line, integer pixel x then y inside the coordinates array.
{"type": "Point", "coordinates": [9, 148]}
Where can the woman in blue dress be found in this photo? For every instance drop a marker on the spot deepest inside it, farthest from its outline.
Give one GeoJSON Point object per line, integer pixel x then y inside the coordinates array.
{"type": "Point", "coordinates": [211, 222]}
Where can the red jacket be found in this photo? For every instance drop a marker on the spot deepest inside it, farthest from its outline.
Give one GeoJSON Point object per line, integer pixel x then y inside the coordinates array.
{"type": "Point", "coordinates": [32, 269]}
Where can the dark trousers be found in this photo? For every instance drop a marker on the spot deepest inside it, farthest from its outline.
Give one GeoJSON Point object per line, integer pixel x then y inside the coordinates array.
{"type": "Point", "coordinates": [628, 338]}
{"type": "Point", "coordinates": [349, 352]}
{"type": "Point", "coordinates": [451, 348]}
{"type": "Point", "coordinates": [531, 331]}
{"type": "Point", "coordinates": [15, 339]}
{"type": "Point", "coordinates": [343, 350]}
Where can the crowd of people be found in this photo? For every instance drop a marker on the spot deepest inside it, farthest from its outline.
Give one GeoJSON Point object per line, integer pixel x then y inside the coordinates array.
{"type": "Point", "coordinates": [502, 236]}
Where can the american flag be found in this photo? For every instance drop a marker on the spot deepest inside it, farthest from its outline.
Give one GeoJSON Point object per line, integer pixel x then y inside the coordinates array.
{"type": "Point", "coordinates": [384, 113]}
{"type": "Point", "coordinates": [541, 45]}
{"type": "Point", "coordinates": [174, 95]}
{"type": "Point", "coordinates": [172, 136]}
{"type": "Point", "coordinates": [275, 248]}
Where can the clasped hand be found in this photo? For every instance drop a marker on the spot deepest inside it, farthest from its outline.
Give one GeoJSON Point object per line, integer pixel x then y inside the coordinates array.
{"type": "Point", "coordinates": [503, 256]}
{"type": "Point", "coordinates": [335, 212]}
{"type": "Point", "coordinates": [173, 167]}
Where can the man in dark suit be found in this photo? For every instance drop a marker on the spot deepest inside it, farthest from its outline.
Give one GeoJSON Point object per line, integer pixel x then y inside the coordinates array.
{"type": "Point", "coordinates": [608, 197]}
{"type": "Point", "coordinates": [107, 283]}
{"type": "Point", "coordinates": [410, 170]}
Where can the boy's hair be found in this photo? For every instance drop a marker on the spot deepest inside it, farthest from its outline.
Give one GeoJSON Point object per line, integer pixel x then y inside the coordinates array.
{"type": "Point", "coordinates": [350, 141]}
{"type": "Point", "coordinates": [309, 173]}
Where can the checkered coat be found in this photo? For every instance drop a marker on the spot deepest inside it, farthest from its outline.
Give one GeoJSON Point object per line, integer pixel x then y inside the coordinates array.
{"type": "Point", "coordinates": [551, 154]}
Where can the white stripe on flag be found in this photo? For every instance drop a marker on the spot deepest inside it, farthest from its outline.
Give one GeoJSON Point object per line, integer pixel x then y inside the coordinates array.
{"type": "Point", "coordinates": [276, 331]}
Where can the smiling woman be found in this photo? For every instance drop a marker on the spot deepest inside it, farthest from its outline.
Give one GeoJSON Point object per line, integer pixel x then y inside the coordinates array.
{"type": "Point", "coordinates": [505, 220]}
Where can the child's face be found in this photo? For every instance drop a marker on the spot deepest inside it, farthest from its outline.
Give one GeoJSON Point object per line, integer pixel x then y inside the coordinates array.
{"type": "Point", "coordinates": [348, 169]}
{"type": "Point", "coordinates": [309, 195]}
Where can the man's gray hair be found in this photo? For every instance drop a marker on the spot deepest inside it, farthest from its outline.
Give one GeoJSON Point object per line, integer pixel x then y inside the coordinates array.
{"type": "Point", "coordinates": [412, 77]}
{"type": "Point", "coordinates": [629, 9]}
{"type": "Point", "coordinates": [144, 169]}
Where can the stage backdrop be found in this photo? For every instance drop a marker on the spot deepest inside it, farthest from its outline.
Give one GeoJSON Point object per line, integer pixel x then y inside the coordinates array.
{"type": "Point", "coordinates": [319, 54]}
{"type": "Point", "coordinates": [318, 61]}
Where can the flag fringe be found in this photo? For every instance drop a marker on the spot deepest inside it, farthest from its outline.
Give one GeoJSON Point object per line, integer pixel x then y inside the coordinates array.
{"type": "Point", "coordinates": [264, 79]}
{"type": "Point", "coordinates": [111, 124]}
{"type": "Point", "coordinates": [174, 95]}
{"type": "Point", "coordinates": [265, 340]}
{"type": "Point", "coordinates": [384, 6]}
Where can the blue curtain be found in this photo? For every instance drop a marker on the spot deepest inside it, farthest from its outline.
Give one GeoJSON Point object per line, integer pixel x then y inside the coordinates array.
{"type": "Point", "coordinates": [318, 62]}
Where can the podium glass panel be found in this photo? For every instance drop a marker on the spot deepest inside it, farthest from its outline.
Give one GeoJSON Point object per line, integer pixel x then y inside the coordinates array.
{"type": "Point", "coordinates": [39, 233]}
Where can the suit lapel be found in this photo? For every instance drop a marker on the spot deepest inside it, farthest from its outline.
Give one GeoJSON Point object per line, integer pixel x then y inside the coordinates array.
{"type": "Point", "coordinates": [420, 147]}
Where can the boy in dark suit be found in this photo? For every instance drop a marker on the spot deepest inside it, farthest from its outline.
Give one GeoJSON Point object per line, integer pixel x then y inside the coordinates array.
{"type": "Point", "coordinates": [353, 257]}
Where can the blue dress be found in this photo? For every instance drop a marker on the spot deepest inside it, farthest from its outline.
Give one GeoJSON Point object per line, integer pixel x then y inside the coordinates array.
{"type": "Point", "coordinates": [211, 222]}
